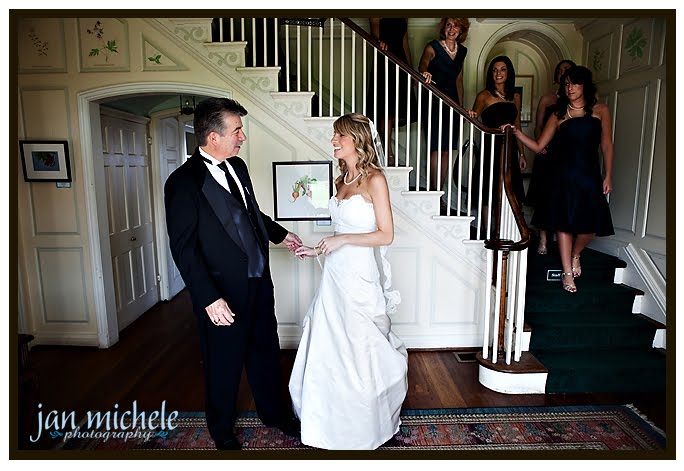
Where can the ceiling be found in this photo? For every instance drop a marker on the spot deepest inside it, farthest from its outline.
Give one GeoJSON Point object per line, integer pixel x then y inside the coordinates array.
{"type": "Point", "coordinates": [147, 104]}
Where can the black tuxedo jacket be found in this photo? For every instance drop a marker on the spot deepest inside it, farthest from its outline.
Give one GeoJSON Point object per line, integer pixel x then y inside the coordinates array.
{"type": "Point", "coordinates": [207, 230]}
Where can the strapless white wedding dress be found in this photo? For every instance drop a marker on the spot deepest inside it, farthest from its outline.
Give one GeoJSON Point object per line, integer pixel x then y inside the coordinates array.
{"type": "Point", "coordinates": [349, 378]}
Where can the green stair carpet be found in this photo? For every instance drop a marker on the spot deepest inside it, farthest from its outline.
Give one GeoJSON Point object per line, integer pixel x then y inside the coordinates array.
{"type": "Point", "coordinates": [590, 341]}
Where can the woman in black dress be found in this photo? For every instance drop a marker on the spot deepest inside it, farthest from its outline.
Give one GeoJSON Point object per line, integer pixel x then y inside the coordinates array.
{"type": "Point", "coordinates": [537, 190]}
{"type": "Point", "coordinates": [442, 65]}
{"type": "Point", "coordinates": [576, 204]}
{"type": "Point", "coordinates": [392, 33]}
{"type": "Point", "coordinates": [496, 105]}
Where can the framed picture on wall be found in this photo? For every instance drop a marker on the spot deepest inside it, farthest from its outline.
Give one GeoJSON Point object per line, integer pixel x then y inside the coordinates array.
{"type": "Point", "coordinates": [302, 190]}
{"type": "Point", "coordinates": [523, 86]}
{"type": "Point", "coordinates": [45, 161]}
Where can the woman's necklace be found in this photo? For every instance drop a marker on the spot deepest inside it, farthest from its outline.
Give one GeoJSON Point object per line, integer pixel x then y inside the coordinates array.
{"type": "Point", "coordinates": [499, 94]}
{"type": "Point", "coordinates": [353, 180]}
{"type": "Point", "coordinates": [572, 108]}
{"type": "Point", "coordinates": [451, 52]}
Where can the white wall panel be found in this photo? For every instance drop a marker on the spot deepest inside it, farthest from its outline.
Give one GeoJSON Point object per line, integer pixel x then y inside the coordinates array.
{"type": "Point", "coordinates": [63, 297]}
{"type": "Point", "coordinates": [655, 214]}
{"type": "Point", "coordinates": [629, 144]}
{"type": "Point", "coordinates": [54, 210]}
{"type": "Point", "coordinates": [38, 123]}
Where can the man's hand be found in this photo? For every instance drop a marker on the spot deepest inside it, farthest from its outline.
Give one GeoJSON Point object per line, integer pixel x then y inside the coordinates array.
{"type": "Point", "coordinates": [292, 242]}
{"type": "Point", "coordinates": [219, 313]}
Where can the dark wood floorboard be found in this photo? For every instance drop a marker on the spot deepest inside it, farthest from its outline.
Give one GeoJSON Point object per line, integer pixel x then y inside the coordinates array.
{"type": "Point", "coordinates": [157, 359]}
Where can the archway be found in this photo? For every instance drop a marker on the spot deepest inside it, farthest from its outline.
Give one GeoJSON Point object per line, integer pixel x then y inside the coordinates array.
{"type": "Point", "coordinates": [96, 212]}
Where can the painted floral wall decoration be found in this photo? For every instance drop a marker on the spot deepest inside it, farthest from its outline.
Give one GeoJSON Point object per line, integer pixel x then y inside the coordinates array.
{"type": "Point", "coordinates": [40, 46]}
{"type": "Point", "coordinates": [107, 48]}
{"type": "Point", "coordinates": [597, 60]}
{"type": "Point", "coordinates": [156, 59]}
{"type": "Point", "coordinates": [636, 43]}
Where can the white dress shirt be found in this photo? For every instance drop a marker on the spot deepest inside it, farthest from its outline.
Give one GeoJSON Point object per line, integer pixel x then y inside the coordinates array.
{"type": "Point", "coordinates": [219, 175]}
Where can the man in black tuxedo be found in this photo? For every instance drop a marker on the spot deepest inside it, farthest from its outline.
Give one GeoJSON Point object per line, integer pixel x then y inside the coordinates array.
{"type": "Point", "coordinates": [219, 241]}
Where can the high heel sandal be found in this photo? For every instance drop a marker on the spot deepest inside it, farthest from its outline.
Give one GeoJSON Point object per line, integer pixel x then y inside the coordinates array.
{"type": "Point", "coordinates": [569, 287]}
{"type": "Point", "coordinates": [541, 249]}
{"type": "Point", "coordinates": [576, 270]}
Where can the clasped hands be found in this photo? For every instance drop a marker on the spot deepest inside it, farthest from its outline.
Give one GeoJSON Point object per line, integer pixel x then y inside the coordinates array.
{"type": "Point", "coordinates": [324, 247]}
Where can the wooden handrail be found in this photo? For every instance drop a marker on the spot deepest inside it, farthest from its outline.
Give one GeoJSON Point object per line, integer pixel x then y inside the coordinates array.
{"type": "Point", "coordinates": [417, 77]}
{"type": "Point", "coordinates": [506, 182]}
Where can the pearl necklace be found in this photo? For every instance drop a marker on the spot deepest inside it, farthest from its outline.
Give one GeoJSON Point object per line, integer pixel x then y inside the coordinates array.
{"type": "Point", "coordinates": [569, 108]}
{"type": "Point", "coordinates": [575, 108]}
{"type": "Point", "coordinates": [497, 93]}
{"type": "Point", "coordinates": [451, 52]}
{"type": "Point", "coordinates": [353, 180]}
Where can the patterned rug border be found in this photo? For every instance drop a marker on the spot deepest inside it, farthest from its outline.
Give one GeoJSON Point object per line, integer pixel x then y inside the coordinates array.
{"type": "Point", "coordinates": [258, 437]}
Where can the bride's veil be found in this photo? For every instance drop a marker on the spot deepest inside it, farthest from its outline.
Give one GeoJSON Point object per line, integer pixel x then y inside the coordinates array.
{"type": "Point", "coordinates": [392, 297]}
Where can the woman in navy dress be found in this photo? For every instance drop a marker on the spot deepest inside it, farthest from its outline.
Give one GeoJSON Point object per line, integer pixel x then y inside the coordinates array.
{"type": "Point", "coordinates": [496, 105]}
{"type": "Point", "coordinates": [537, 191]}
{"type": "Point", "coordinates": [576, 206]}
{"type": "Point", "coordinates": [442, 65]}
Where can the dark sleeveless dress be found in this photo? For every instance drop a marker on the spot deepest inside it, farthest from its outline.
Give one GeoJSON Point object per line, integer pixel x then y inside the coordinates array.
{"type": "Point", "coordinates": [494, 116]}
{"type": "Point", "coordinates": [575, 202]}
{"type": "Point", "coordinates": [392, 31]}
{"type": "Point", "coordinates": [444, 72]}
{"type": "Point", "coordinates": [539, 181]}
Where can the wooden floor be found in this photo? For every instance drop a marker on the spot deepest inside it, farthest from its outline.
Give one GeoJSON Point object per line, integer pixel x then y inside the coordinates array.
{"type": "Point", "coordinates": [157, 359]}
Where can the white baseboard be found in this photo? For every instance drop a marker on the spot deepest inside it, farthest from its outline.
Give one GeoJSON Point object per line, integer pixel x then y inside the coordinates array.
{"type": "Point", "coordinates": [642, 273]}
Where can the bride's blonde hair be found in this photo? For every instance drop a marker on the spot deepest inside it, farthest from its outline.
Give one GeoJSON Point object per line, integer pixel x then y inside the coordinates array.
{"type": "Point", "coordinates": [358, 127]}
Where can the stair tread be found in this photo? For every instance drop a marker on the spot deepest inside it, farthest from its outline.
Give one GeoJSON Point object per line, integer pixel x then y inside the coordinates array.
{"type": "Point", "coordinates": [594, 359]}
{"type": "Point", "coordinates": [586, 318]}
{"type": "Point", "coordinates": [583, 287]}
{"type": "Point", "coordinates": [589, 256]}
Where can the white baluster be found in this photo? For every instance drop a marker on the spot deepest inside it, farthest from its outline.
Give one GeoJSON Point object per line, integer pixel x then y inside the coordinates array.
{"type": "Point", "coordinates": [450, 168]}
{"type": "Point", "coordinates": [364, 49]}
{"type": "Point", "coordinates": [420, 130]}
{"type": "Point", "coordinates": [309, 60]}
{"type": "Point", "coordinates": [287, 57]}
{"type": "Point", "coordinates": [253, 42]}
{"type": "Point", "coordinates": [320, 72]}
{"type": "Point", "coordinates": [265, 43]}
{"type": "Point", "coordinates": [342, 80]}
{"type": "Point", "coordinates": [428, 142]}
{"type": "Point", "coordinates": [487, 303]}
{"type": "Point", "coordinates": [298, 70]}
{"type": "Point", "coordinates": [491, 186]}
{"type": "Point", "coordinates": [520, 307]}
{"type": "Point", "coordinates": [396, 116]}
{"type": "Point", "coordinates": [276, 29]}
{"type": "Point", "coordinates": [497, 306]}
{"type": "Point", "coordinates": [353, 71]}
{"type": "Point", "coordinates": [408, 119]}
{"type": "Point", "coordinates": [331, 64]}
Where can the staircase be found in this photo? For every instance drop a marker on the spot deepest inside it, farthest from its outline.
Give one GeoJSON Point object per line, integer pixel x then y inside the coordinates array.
{"type": "Point", "coordinates": [587, 342]}
{"type": "Point", "coordinates": [591, 341]}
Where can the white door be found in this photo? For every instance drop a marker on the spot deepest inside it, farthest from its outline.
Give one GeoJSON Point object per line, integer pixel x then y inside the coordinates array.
{"type": "Point", "coordinates": [131, 231]}
{"type": "Point", "coordinates": [172, 150]}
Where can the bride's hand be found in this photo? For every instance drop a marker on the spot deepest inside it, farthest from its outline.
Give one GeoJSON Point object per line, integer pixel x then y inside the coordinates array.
{"type": "Point", "coordinates": [305, 251]}
{"type": "Point", "coordinates": [330, 244]}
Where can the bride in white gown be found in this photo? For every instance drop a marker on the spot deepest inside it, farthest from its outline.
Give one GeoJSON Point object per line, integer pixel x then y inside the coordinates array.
{"type": "Point", "coordinates": [349, 378]}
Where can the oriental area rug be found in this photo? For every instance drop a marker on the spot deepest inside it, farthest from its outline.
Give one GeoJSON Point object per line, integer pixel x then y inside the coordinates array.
{"type": "Point", "coordinates": [612, 427]}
